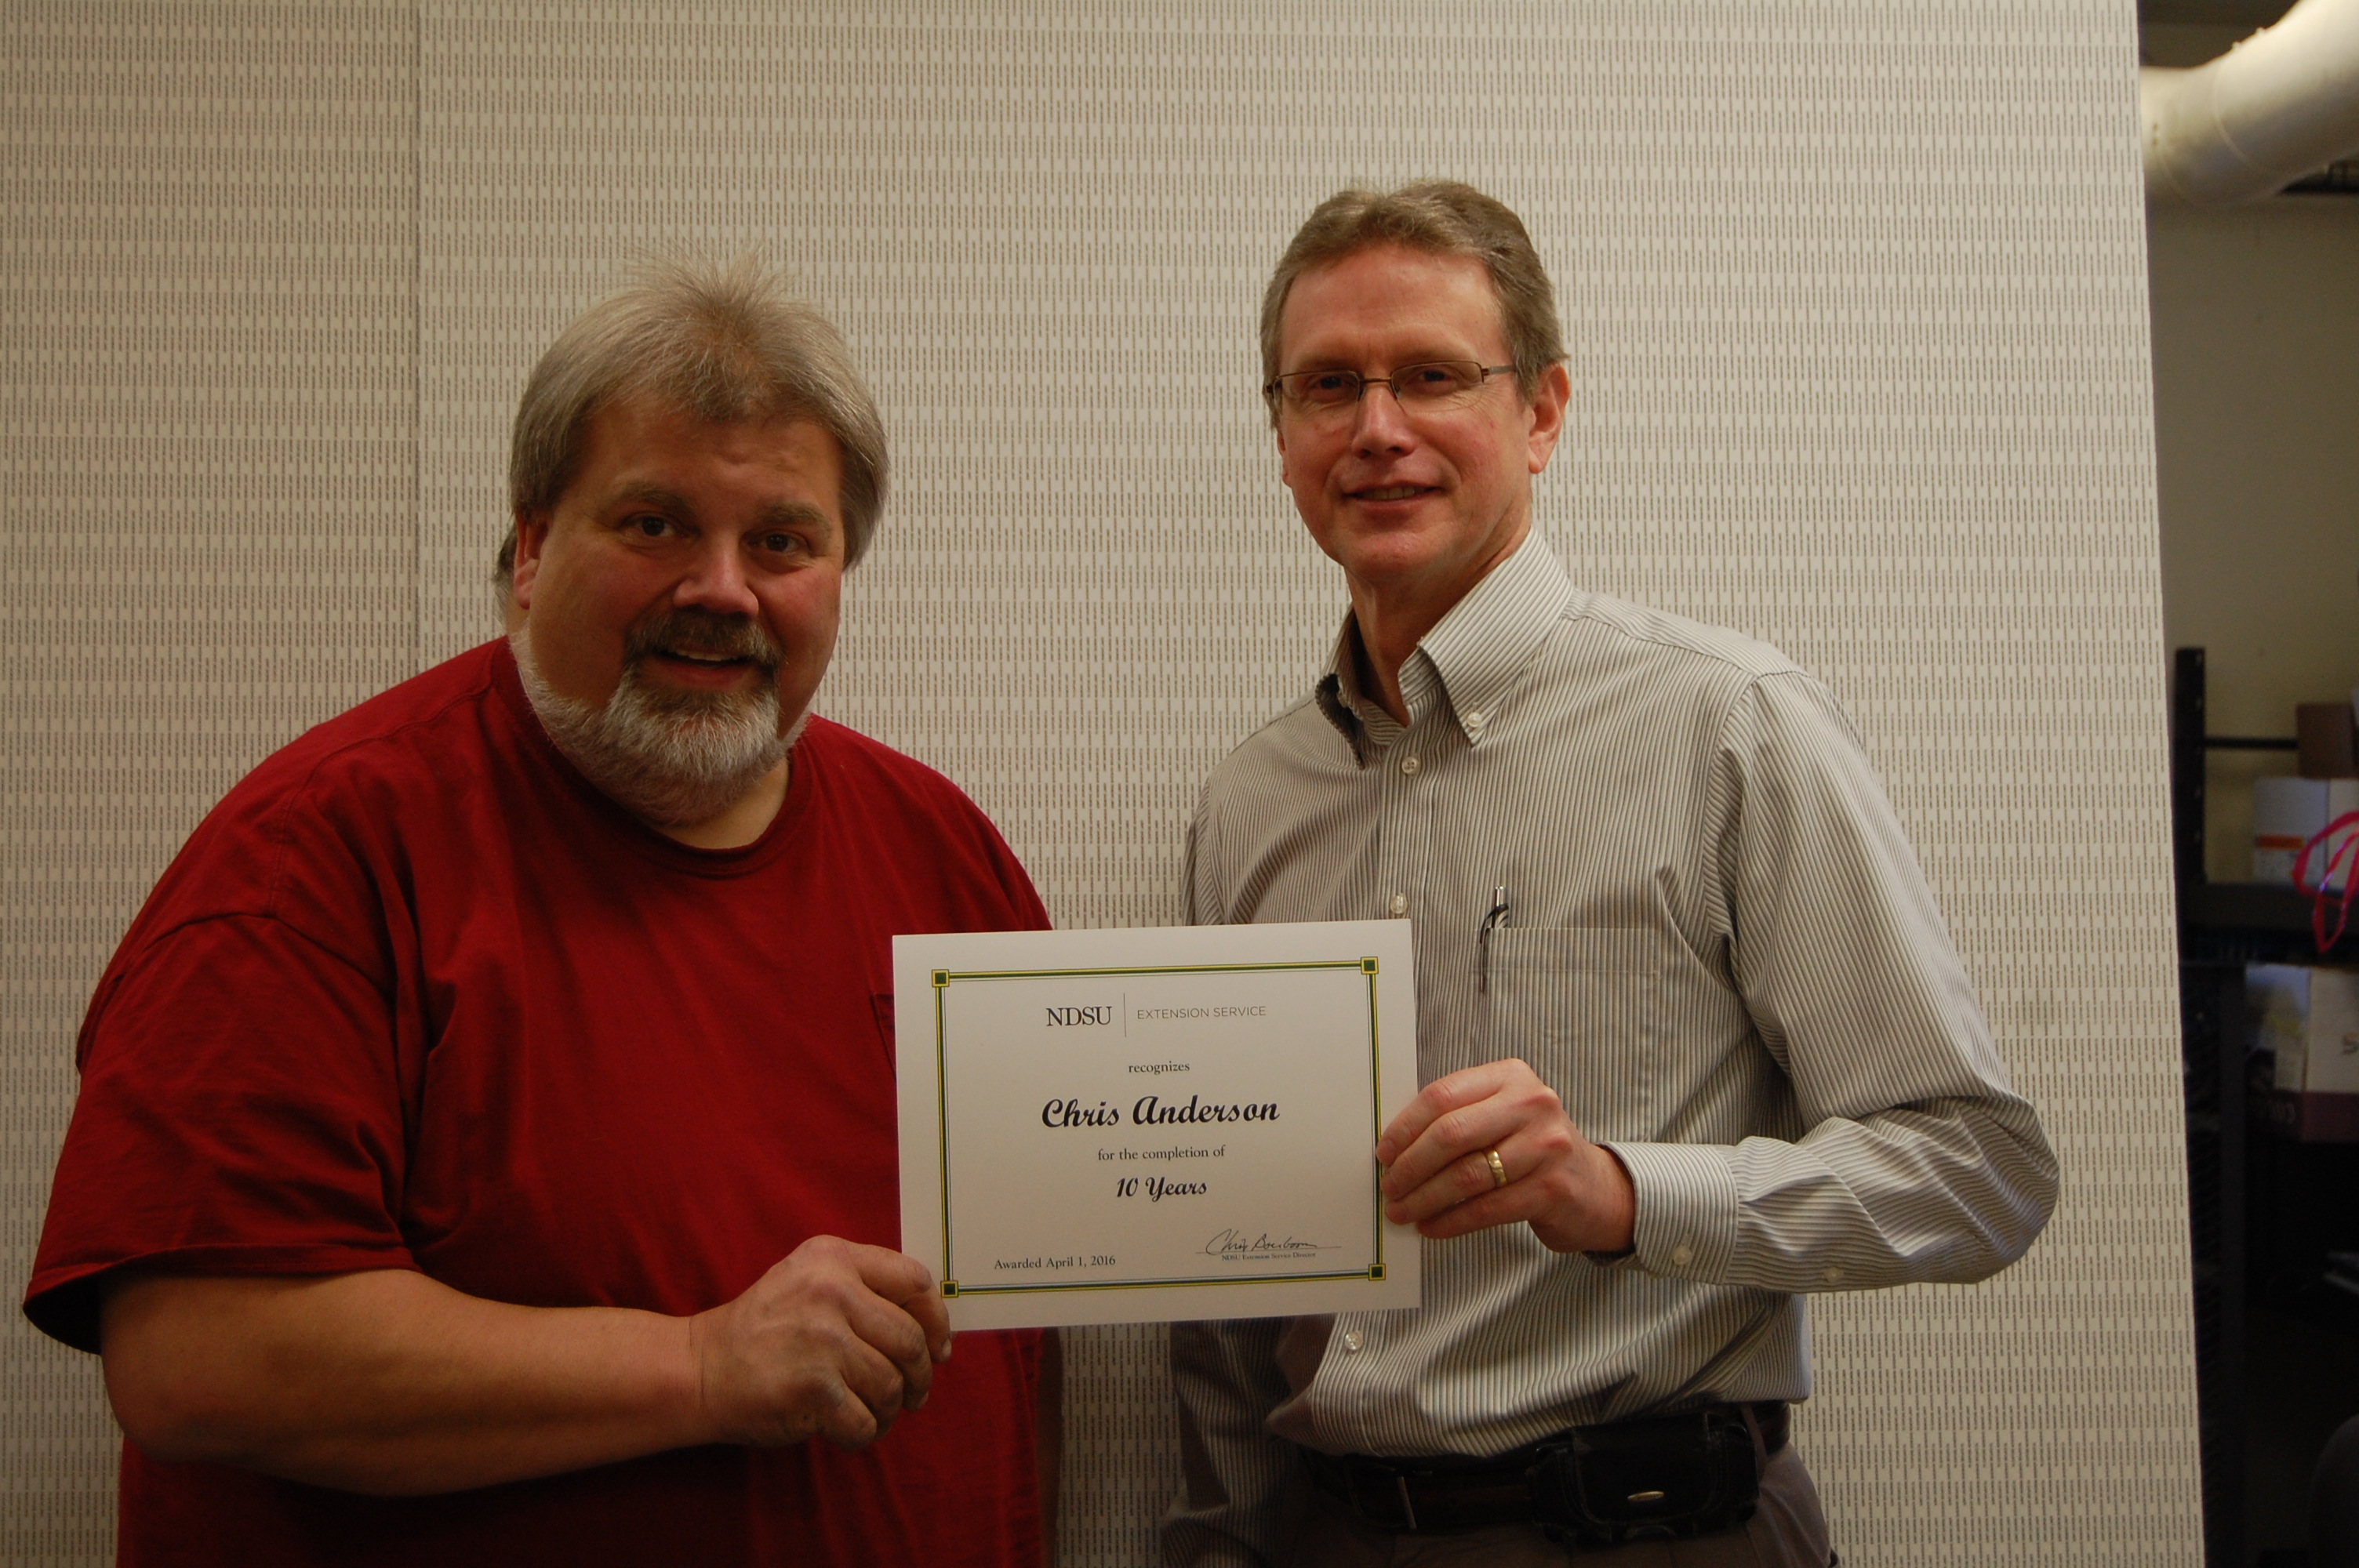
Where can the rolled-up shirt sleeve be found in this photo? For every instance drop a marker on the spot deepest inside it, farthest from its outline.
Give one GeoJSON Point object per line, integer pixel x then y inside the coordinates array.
{"type": "Point", "coordinates": [1920, 1161]}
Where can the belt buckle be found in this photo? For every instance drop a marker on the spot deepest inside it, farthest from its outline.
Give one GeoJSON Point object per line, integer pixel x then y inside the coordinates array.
{"type": "Point", "coordinates": [1376, 1489]}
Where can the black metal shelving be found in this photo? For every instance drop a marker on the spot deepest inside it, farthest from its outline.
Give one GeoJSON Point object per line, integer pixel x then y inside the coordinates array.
{"type": "Point", "coordinates": [2257, 1220]}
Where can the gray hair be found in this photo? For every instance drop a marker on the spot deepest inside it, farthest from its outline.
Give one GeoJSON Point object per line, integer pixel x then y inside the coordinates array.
{"type": "Point", "coordinates": [1446, 218]}
{"type": "Point", "coordinates": [725, 343]}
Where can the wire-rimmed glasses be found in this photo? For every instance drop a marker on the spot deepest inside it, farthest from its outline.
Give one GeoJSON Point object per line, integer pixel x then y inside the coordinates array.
{"type": "Point", "coordinates": [1436, 386]}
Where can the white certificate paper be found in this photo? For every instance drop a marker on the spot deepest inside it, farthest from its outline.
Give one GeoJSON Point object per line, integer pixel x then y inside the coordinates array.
{"type": "Point", "coordinates": [1147, 1125]}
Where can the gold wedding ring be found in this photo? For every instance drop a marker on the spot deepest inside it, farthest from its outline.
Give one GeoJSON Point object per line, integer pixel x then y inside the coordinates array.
{"type": "Point", "coordinates": [1498, 1168]}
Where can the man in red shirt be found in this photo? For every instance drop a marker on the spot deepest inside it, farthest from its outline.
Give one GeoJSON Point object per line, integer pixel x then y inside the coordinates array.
{"type": "Point", "coordinates": [485, 1147]}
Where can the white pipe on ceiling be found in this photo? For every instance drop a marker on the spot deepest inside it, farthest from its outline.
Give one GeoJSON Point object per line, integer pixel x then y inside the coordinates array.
{"type": "Point", "coordinates": [2282, 104]}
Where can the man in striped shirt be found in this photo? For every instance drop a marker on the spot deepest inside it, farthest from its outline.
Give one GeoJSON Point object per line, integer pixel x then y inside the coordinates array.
{"type": "Point", "coordinates": [1693, 1035]}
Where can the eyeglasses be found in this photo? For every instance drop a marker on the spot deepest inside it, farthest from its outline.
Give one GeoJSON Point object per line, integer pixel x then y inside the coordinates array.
{"type": "Point", "coordinates": [1444, 383]}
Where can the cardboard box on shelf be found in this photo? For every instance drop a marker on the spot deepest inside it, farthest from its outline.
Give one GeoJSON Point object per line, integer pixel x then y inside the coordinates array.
{"type": "Point", "coordinates": [2326, 740]}
{"type": "Point", "coordinates": [2289, 813]}
{"type": "Point", "coordinates": [2309, 1019]}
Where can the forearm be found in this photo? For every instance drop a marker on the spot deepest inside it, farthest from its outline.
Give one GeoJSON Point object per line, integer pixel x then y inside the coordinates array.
{"type": "Point", "coordinates": [1947, 1191]}
{"type": "Point", "coordinates": [391, 1383]}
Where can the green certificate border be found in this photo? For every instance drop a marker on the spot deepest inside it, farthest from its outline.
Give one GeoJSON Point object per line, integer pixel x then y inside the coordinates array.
{"type": "Point", "coordinates": [945, 978]}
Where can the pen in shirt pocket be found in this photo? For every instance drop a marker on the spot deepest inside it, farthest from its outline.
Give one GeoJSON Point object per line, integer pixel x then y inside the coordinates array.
{"type": "Point", "coordinates": [1491, 922]}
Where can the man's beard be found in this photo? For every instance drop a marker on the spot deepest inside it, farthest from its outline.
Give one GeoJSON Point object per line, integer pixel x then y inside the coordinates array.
{"type": "Point", "coordinates": [672, 758]}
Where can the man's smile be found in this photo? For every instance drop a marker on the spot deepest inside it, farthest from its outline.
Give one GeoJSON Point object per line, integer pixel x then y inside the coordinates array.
{"type": "Point", "coordinates": [702, 651]}
{"type": "Point", "coordinates": [684, 667]}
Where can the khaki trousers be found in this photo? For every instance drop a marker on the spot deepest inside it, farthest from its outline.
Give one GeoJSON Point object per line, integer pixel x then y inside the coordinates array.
{"type": "Point", "coordinates": [1785, 1531]}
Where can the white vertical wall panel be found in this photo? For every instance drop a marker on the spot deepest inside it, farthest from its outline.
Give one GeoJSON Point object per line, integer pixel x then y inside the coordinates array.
{"type": "Point", "coordinates": [1855, 294]}
{"type": "Point", "coordinates": [207, 434]}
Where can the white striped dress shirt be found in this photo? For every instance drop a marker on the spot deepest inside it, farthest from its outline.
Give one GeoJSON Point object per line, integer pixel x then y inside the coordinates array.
{"type": "Point", "coordinates": [1722, 955]}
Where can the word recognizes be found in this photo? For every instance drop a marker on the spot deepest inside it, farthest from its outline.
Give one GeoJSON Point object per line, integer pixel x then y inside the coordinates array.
{"type": "Point", "coordinates": [1150, 1111]}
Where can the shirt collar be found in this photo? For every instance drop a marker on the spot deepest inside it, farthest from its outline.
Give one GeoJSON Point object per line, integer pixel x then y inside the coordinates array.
{"type": "Point", "coordinates": [1473, 657]}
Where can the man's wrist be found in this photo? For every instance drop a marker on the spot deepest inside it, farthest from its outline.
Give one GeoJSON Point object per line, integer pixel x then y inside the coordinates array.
{"type": "Point", "coordinates": [690, 1384]}
{"type": "Point", "coordinates": [1620, 1240]}
{"type": "Point", "coordinates": [1686, 1207]}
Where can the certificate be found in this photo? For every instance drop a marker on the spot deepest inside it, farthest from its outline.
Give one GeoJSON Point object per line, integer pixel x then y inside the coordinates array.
{"type": "Point", "coordinates": [1142, 1125]}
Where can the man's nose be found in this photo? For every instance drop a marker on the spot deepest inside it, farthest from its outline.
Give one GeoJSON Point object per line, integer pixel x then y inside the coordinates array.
{"type": "Point", "coordinates": [716, 581]}
{"type": "Point", "coordinates": [1377, 422]}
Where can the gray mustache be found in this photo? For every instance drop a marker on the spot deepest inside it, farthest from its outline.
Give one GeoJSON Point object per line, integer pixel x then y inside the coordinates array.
{"type": "Point", "coordinates": [702, 633]}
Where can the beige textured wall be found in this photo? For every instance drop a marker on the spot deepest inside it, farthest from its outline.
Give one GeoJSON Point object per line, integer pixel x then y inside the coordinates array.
{"type": "Point", "coordinates": [1858, 300]}
{"type": "Point", "coordinates": [208, 444]}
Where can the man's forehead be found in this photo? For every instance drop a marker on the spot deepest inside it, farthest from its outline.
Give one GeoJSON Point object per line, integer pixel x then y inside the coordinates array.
{"type": "Point", "coordinates": [629, 489]}
{"type": "Point", "coordinates": [645, 427]}
{"type": "Point", "coordinates": [1392, 288]}
{"type": "Point", "coordinates": [633, 449]}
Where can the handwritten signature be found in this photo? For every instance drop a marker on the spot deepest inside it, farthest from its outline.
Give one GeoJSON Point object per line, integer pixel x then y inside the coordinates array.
{"type": "Point", "coordinates": [1234, 1240]}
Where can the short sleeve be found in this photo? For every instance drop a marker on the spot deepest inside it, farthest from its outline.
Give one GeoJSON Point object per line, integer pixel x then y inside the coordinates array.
{"type": "Point", "coordinates": [240, 1113]}
{"type": "Point", "coordinates": [1025, 909]}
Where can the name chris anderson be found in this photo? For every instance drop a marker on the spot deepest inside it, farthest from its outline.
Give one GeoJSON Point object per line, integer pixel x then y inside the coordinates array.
{"type": "Point", "coordinates": [1150, 1110]}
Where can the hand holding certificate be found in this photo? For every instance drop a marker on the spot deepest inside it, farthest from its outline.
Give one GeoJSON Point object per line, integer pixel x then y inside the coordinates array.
{"type": "Point", "coordinates": [1134, 1126]}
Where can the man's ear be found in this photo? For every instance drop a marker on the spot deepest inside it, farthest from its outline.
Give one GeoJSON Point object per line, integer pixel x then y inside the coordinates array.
{"type": "Point", "coordinates": [1547, 411]}
{"type": "Point", "coordinates": [524, 569]}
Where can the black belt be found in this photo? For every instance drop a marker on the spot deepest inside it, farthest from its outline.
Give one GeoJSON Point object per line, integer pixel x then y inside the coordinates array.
{"type": "Point", "coordinates": [1697, 1473]}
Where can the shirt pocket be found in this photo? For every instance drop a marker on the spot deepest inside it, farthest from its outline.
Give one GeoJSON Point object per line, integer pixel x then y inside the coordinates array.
{"type": "Point", "coordinates": [1578, 1003]}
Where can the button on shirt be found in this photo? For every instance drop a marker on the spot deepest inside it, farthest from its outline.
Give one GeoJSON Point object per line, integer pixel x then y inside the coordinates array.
{"type": "Point", "coordinates": [1721, 955]}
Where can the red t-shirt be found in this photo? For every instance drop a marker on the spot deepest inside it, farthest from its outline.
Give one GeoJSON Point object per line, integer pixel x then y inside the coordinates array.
{"type": "Point", "coordinates": [416, 996]}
